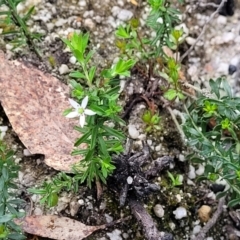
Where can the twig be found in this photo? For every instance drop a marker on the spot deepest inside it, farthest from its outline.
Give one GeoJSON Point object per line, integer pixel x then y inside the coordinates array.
{"type": "Point", "coordinates": [149, 227]}
{"type": "Point", "coordinates": [203, 30]}
{"type": "Point", "coordinates": [174, 118]}
{"type": "Point", "coordinates": [212, 221]}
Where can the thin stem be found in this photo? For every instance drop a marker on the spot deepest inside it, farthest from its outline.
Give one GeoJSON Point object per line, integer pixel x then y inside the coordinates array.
{"type": "Point", "coordinates": [203, 30]}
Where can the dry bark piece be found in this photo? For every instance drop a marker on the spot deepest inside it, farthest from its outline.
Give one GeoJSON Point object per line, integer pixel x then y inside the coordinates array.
{"type": "Point", "coordinates": [55, 227]}
{"type": "Point", "coordinates": [34, 103]}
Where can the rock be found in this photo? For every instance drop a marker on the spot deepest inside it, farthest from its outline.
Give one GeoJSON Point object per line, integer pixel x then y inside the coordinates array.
{"type": "Point", "coordinates": [231, 69]}
{"type": "Point", "coordinates": [180, 213]}
{"type": "Point", "coordinates": [158, 210]}
{"type": "Point", "coordinates": [72, 60]}
{"type": "Point", "coordinates": [81, 202]}
{"type": "Point", "coordinates": [129, 180]}
{"type": "Point", "coordinates": [88, 22]}
{"type": "Point", "coordinates": [217, 187]}
{"type": "Point", "coordinates": [190, 40]}
{"type": "Point", "coordinates": [200, 170]}
{"type": "Point", "coordinates": [133, 132]}
{"type": "Point", "coordinates": [191, 173]}
{"type": "Point", "coordinates": [74, 207]}
{"type": "Point", "coordinates": [115, 235]}
{"type": "Point", "coordinates": [196, 229]}
{"type": "Point", "coordinates": [124, 15]}
{"type": "Point", "coordinates": [221, 20]}
{"type": "Point", "coordinates": [228, 37]}
{"type": "Point", "coordinates": [204, 213]}
{"type": "Point", "coordinates": [223, 68]}
{"type": "Point", "coordinates": [63, 69]}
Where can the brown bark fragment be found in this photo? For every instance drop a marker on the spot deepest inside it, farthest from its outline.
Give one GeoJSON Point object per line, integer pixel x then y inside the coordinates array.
{"type": "Point", "coordinates": [34, 103]}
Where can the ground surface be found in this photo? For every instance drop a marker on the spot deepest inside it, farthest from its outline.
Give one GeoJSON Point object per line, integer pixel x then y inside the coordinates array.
{"type": "Point", "coordinates": [211, 58]}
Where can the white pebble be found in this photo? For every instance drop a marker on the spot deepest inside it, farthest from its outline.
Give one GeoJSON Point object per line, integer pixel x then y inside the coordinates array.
{"type": "Point", "coordinates": [3, 130]}
{"type": "Point", "coordinates": [191, 173]}
{"type": "Point", "coordinates": [82, 3]}
{"type": "Point", "coordinates": [72, 60]}
{"type": "Point", "coordinates": [181, 157]}
{"type": "Point", "coordinates": [129, 180]}
{"type": "Point", "coordinates": [81, 202]}
{"type": "Point", "coordinates": [88, 22]}
{"type": "Point", "coordinates": [108, 218]}
{"type": "Point", "coordinates": [228, 37]}
{"type": "Point", "coordinates": [158, 210]}
{"type": "Point", "coordinates": [63, 69]}
{"type": "Point", "coordinates": [190, 40]}
{"type": "Point", "coordinates": [60, 22]}
{"type": "Point", "coordinates": [115, 235]}
{"type": "Point", "coordinates": [223, 68]}
{"type": "Point", "coordinates": [133, 132]}
{"type": "Point", "coordinates": [26, 152]}
{"type": "Point", "coordinates": [221, 20]}
{"type": "Point", "coordinates": [124, 15]}
{"type": "Point", "coordinates": [196, 229]}
{"type": "Point", "coordinates": [200, 170]}
{"type": "Point", "coordinates": [180, 213]}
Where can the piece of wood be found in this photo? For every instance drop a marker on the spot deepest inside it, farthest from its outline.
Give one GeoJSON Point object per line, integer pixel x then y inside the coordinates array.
{"type": "Point", "coordinates": [34, 103]}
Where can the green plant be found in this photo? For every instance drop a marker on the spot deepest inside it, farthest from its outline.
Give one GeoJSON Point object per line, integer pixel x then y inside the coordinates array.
{"type": "Point", "coordinates": [101, 94]}
{"type": "Point", "coordinates": [176, 181]}
{"type": "Point", "coordinates": [8, 201]}
{"type": "Point", "coordinates": [15, 26]}
{"type": "Point", "coordinates": [161, 62]}
{"type": "Point", "coordinates": [152, 121]}
{"type": "Point", "coordinates": [212, 127]}
{"type": "Point", "coordinates": [50, 189]}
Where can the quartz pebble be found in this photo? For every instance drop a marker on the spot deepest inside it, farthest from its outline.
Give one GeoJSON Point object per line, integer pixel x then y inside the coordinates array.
{"type": "Point", "coordinates": [158, 210]}
{"type": "Point", "coordinates": [63, 69]}
{"type": "Point", "coordinates": [133, 132]}
{"type": "Point", "coordinates": [124, 15]}
{"type": "Point", "coordinates": [180, 213]}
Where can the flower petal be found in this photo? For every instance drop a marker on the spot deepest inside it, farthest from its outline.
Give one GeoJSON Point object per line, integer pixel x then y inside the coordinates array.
{"type": "Point", "coordinates": [82, 120]}
{"type": "Point", "coordinates": [84, 102]}
{"type": "Point", "coordinates": [89, 112]}
{"type": "Point", "coordinates": [72, 114]}
{"type": "Point", "coordinates": [74, 103]}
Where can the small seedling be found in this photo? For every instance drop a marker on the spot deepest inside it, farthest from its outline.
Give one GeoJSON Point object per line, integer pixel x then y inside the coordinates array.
{"type": "Point", "coordinates": [176, 181]}
{"type": "Point", "coordinates": [152, 121]}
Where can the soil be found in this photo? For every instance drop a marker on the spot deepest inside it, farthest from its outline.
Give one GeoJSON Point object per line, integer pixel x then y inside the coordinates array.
{"type": "Point", "coordinates": [56, 19]}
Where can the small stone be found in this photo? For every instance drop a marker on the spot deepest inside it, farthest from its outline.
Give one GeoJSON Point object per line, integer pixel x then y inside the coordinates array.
{"type": "Point", "coordinates": [231, 69]}
{"type": "Point", "coordinates": [191, 173]}
{"type": "Point", "coordinates": [108, 218]}
{"type": "Point", "coordinates": [129, 180]}
{"type": "Point", "coordinates": [181, 157]}
{"type": "Point", "coordinates": [217, 187]}
{"type": "Point", "coordinates": [74, 207]}
{"type": "Point", "coordinates": [190, 40]}
{"type": "Point", "coordinates": [200, 170]}
{"type": "Point", "coordinates": [115, 235]}
{"type": "Point", "coordinates": [196, 229]}
{"type": "Point", "coordinates": [158, 210]}
{"type": "Point", "coordinates": [63, 69]}
{"type": "Point", "coordinates": [124, 15]}
{"type": "Point", "coordinates": [81, 202]}
{"type": "Point", "coordinates": [82, 3]}
{"type": "Point", "coordinates": [204, 213]}
{"type": "Point", "coordinates": [180, 213]}
{"type": "Point", "coordinates": [221, 20]}
{"type": "Point", "coordinates": [72, 60]}
{"type": "Point", "coordinates": [133, 132]}
{"type": "Point", "coordinates": [88, 22]}
{"type": "Point", "coordinates": [223, 68]}
{"type": "Point", "coordinates": [228, 37]}
{"type": "Point", "coordinates": [26, 152]}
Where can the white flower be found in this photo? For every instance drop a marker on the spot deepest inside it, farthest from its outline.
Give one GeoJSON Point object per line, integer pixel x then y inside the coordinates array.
{"type": "Point", "coordinates": [80, 110]}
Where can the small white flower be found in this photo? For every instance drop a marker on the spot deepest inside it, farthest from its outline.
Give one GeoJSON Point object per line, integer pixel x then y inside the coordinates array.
{"type": "Point", "coordinates": [80, 110]}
